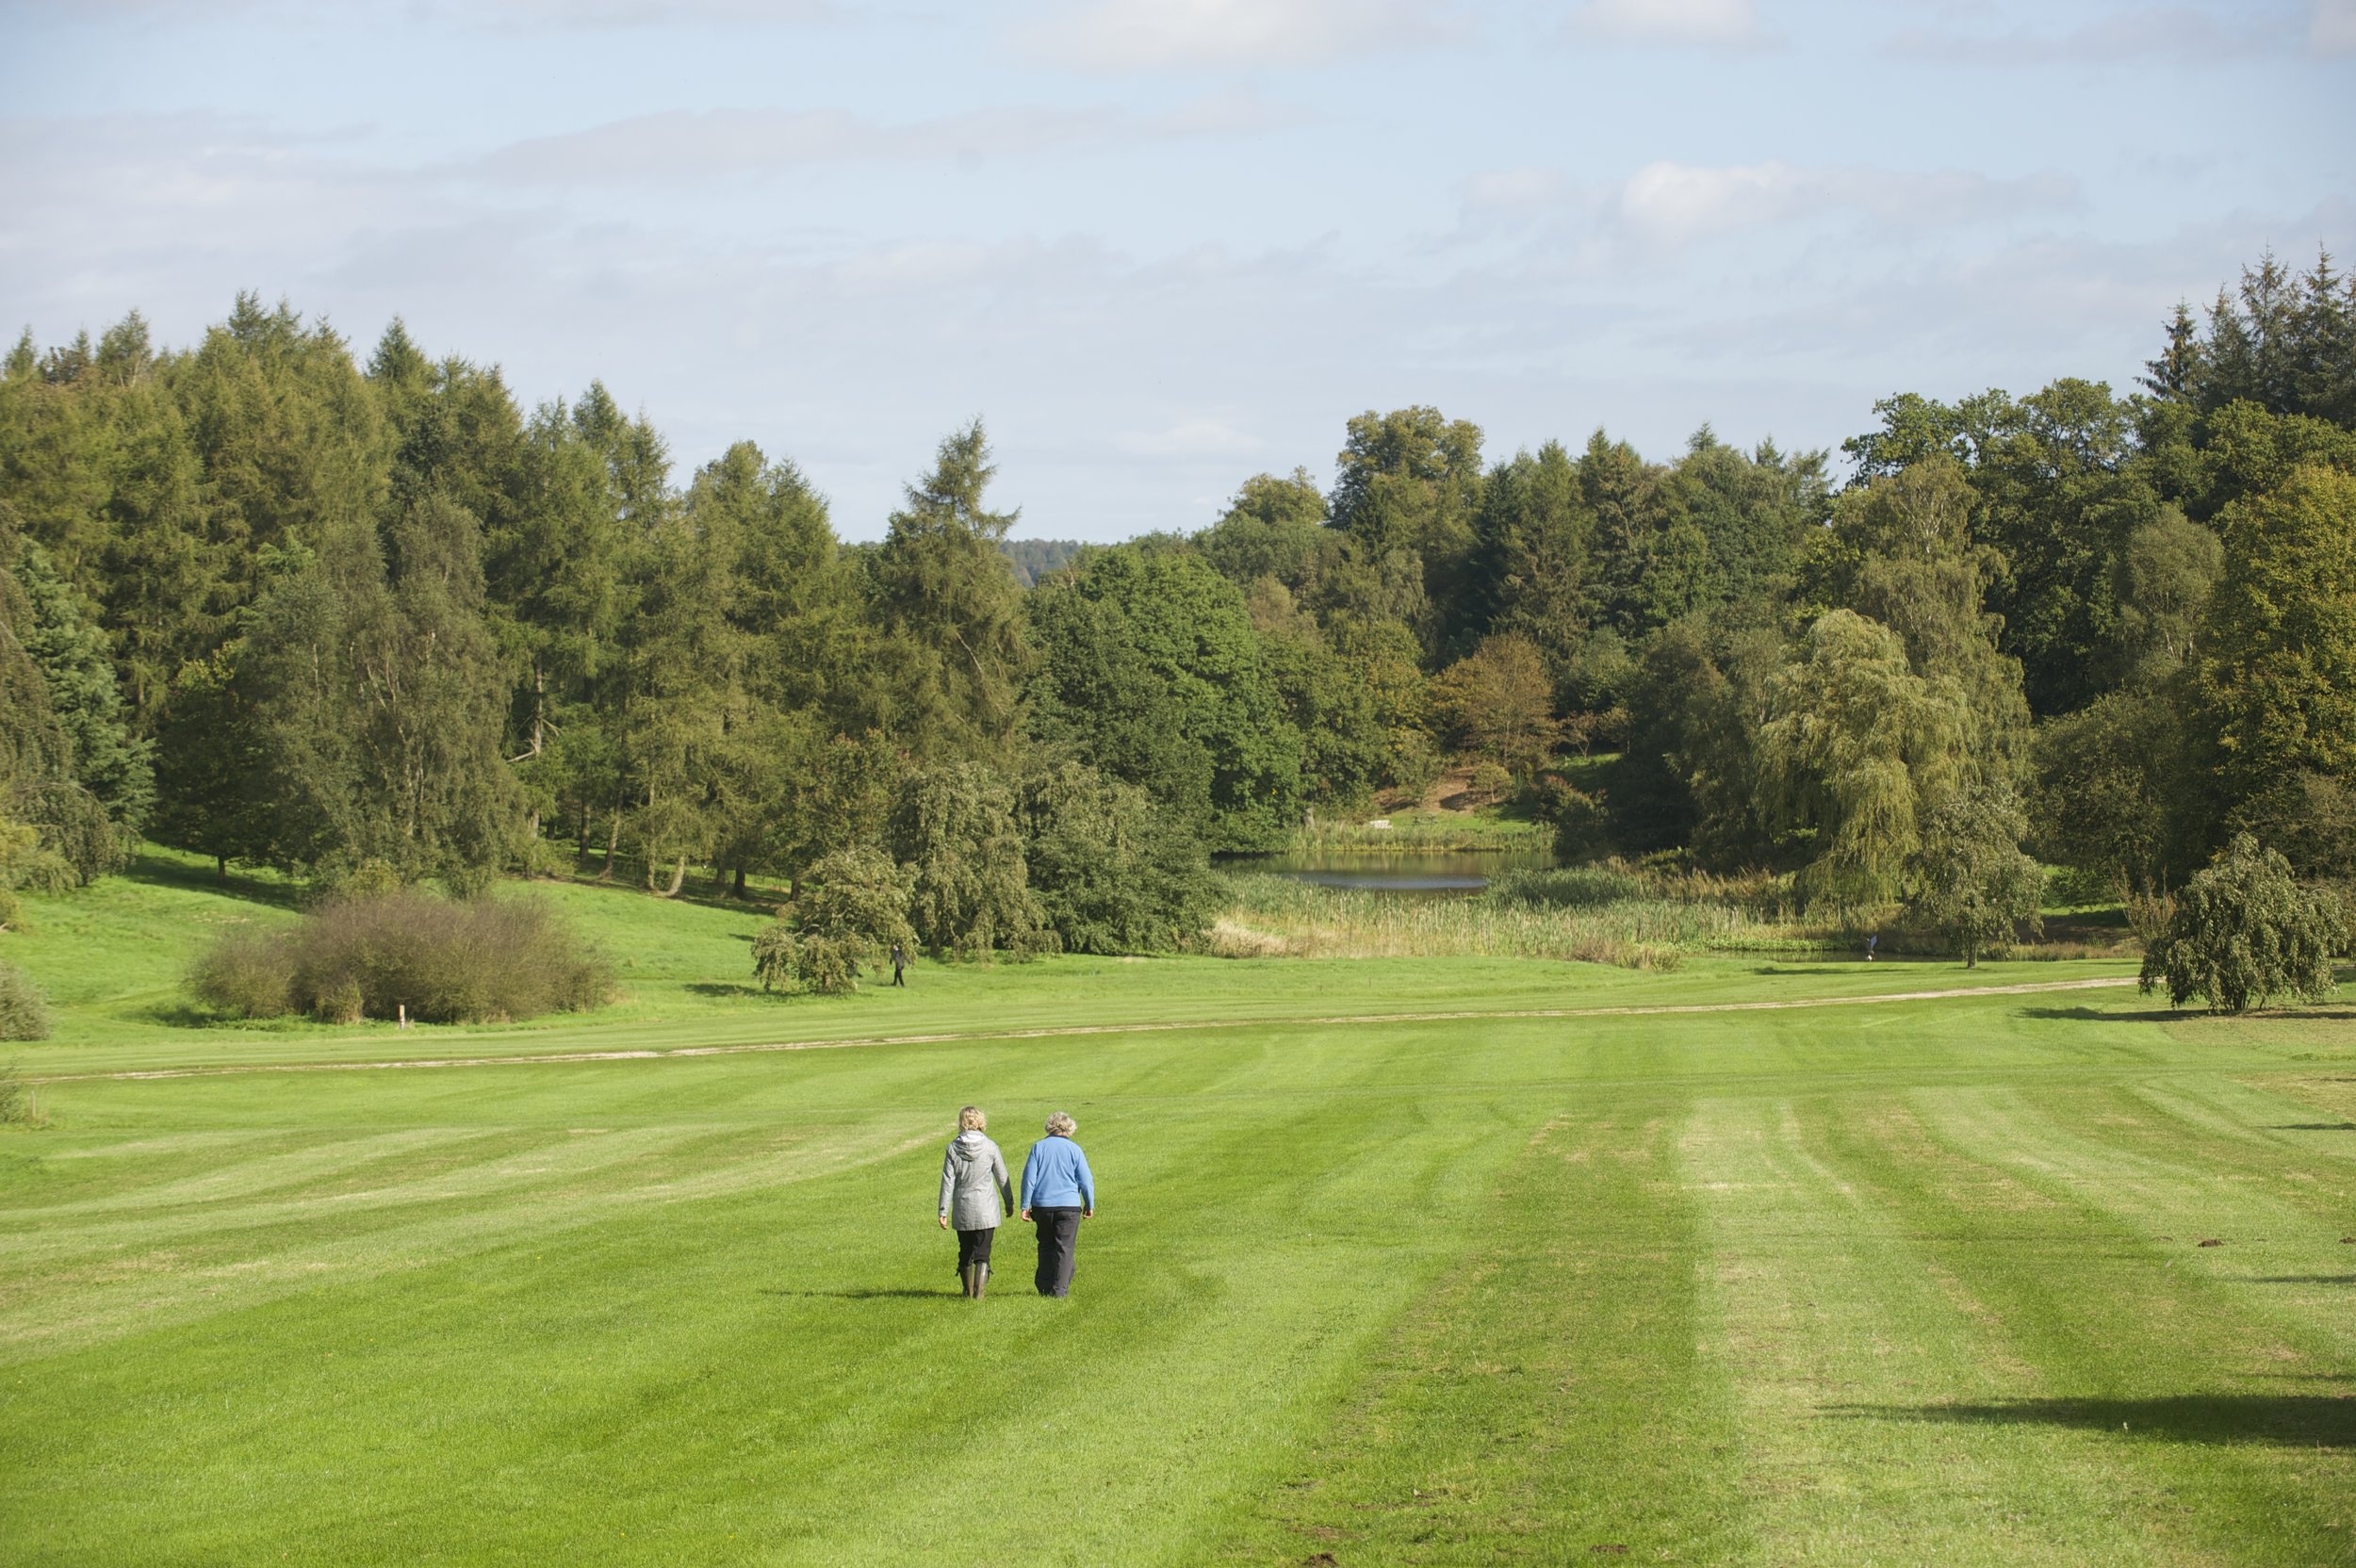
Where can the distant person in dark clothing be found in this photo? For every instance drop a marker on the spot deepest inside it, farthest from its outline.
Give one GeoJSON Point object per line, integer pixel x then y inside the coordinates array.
{"type": "Point", "coordinates": [972, 1179]}
{"type": "Point", "coordinates": [1058, 1193]}
{"type": "Point", "coordinates": [899, 964]}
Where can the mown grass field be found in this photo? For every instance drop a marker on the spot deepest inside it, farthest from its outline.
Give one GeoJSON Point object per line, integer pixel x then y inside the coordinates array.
{"type": "Point", "coordinates": [1902, 1282]}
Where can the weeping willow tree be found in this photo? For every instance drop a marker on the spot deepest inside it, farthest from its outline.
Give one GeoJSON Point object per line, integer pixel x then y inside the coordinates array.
{"type": "Point", "coordinates": [1858, 751]}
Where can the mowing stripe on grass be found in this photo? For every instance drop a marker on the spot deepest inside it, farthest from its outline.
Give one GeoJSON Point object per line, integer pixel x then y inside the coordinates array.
{"type": "Point", "coordinates": [2230, 1414]}
{"type": "Point", "coordinates": [1545, 1399]}
{"type": "Point", "coordinates": [952, 1036]}
{"type": "Point", "coordinates": [87, 1283]}
{"type": "Point", "coordinates": [1820, 1306]}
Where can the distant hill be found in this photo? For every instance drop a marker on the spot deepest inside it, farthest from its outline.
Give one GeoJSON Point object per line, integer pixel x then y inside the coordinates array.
{"type": "Point", "coordinates": [1034, 559]}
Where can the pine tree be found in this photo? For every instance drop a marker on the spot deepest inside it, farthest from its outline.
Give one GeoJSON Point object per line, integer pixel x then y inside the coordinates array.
{"type": "Point", "coordinates": [952, 608]}
{"type": "Point", "coordinates": [111, 763]}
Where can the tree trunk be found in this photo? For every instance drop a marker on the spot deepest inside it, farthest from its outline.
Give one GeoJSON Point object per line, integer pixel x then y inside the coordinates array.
{"type": "Point", "coordinates": [739, 888]}
{"type": "Point", "coordinates": [678, 876]}
{"type": "Point", "coordinates": [221, 868]}
{"type": "Point", "coordinates": [613, 842]}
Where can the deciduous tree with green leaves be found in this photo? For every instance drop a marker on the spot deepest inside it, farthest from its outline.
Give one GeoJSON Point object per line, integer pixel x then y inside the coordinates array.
{"type": "Point", "coordinates": [1972, 884]}
{"type": "Point", "coordinates": [2245, 931]}
{"type": "Point", "coordinates": [953, 832]}
{"type": "Point", "coordinates": [852, 907]}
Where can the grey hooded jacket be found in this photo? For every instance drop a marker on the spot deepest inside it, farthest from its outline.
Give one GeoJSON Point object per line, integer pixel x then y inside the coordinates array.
{"type": "Point", "coordinates": [973, 1175]}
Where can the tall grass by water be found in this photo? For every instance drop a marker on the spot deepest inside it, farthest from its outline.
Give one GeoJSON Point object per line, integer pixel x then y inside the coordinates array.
{"type": "Point", "coordinates": [1614, 914]}
{"type": "Point", "coordinates": [1647, 917]}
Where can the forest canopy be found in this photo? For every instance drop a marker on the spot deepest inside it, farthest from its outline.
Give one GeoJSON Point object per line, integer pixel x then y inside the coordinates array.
{"type": "Point", "coordinates": [282, 603]}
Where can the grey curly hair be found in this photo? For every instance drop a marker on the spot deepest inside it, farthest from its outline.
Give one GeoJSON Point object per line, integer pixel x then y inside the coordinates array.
{"type": "Point", "coordinates": [1061, 1126]}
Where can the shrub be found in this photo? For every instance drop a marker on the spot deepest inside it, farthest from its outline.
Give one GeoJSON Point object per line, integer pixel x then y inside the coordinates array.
{"type": "Point", "coordinates": [445, 961]}
{"type": "Point", "coordinates": [246, 973]}
{"type": "Point", "coordinates": [777, 958]}
{"type": "Point", "coordinates": [24, 1011]}
{"type": "Point", "coordinates": [336, 999]}
{"type": "Point", "coordinates": [2242, 931]}
{"type": "Point", "coordinates": [1581, 822]}
{"type": "Point", "coordinates": [853, 906]}
{"type": "Point", "coordinates": [26, 862]}
{"type": "Point", "coordinates": [1489, 783]}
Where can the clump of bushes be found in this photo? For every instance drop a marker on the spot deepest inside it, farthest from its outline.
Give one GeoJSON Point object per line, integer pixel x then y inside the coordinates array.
{"type": "Point", "coordinates": [853, 906]}
{"type": "Point", "coordinates": [371, 954]}
{"type": "Point", "coordinates": [24, 1011]}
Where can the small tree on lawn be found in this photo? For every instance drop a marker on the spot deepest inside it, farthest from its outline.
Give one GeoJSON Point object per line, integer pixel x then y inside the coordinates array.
{"type": "Point", "coordinates": [1972, 883]}
{"type": "Point", "coordinates": [2244, 931]}
{"type": "Point", "coordinates": [853, 906]}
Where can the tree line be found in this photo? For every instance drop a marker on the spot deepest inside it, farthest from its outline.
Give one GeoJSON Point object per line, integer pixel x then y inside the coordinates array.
{"type": "Point", "coordinates": [272, 602]}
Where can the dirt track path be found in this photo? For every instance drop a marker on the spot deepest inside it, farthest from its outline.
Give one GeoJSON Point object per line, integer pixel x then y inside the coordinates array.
{"type": "Point", "coordinates": [1062, 1031]}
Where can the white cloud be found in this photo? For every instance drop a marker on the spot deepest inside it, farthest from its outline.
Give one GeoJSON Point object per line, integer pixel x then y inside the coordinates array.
{"type": "Point", "coordinates": [1148, 35]}
{"type": "Point", "coordinates": [1712, 23]}
{"type": "Point", "coordinates": [1191, 438]}
{"type": "Point", "coordinates": [688, 145]}
{"type": "Point", "coordinates": [1672, 204]}
{"type": "Point", "coordinates": [2333, 28]}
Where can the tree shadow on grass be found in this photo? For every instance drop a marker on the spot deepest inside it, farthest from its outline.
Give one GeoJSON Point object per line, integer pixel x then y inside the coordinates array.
{"type": "Point", "coordinates": [2313, 1127]}
{"type": "Point", "coordinates": [2288, 1420]}
{"type": "Point", "coordinates": [2303, 1279]}
{"type": "Point", "coordinates": [2099, 1015]}
{"type": "Point", "coordinates": [158, 870]}
{"type": "Point", "coordinates": [892, 1293]}
{"type": "Point", "coordinates": [2179, 1015]}
{"type": "Point", "coordinates": [720, 987]}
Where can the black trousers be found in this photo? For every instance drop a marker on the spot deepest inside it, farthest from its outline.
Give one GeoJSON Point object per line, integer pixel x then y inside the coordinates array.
{"type": "Point", "coordinates": [1059, 1240]}
{"type": "Point", "coordinates": [973, 1247]}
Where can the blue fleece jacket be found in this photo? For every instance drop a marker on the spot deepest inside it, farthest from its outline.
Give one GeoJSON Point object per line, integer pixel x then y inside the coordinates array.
{"type": "Point", "coordinates": [1055, 1176]}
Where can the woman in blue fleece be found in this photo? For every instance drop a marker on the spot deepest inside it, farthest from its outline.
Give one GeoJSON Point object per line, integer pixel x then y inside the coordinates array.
{"type": "Point", "coordinates": [1058, 1194]}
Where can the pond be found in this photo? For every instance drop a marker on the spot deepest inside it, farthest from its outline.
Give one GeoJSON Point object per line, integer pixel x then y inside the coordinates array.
{"type": "Point", "coordinates": [1417, 875]}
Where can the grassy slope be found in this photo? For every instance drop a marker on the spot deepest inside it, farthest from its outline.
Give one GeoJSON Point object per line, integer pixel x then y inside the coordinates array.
{"type": "Point", "coordinates": [1909, 1282]}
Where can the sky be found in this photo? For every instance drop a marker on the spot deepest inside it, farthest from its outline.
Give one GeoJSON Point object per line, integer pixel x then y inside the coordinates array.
{"type": "Point", "coordinates": [1159, 246]}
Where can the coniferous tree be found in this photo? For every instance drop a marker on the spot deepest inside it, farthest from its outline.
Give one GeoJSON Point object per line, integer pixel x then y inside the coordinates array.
{"type": "Point", "coordinates": [952, 608]}
{"type": "Point", "coordinates": [108, 761]}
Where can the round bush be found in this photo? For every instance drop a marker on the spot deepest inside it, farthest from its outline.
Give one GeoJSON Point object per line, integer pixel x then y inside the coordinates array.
{"type": "Point", "coordinates": [24, 1011]}
{"type": "Point", "coordinates": [444, 961]}
{"type": "Point", "coordinates": [246, 973]}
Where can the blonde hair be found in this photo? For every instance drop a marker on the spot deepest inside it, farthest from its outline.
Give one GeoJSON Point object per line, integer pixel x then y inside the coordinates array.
{"type": "Point", "coordinates": [971, 1119]}
{"type": "Point", "coordinates": [1061, 1126]}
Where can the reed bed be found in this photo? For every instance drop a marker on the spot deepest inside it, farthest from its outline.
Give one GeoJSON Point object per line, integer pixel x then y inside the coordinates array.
{"type": "Point", "coordinates": [1588, 914]}
{"type": "Point", "coordinates": [1616, 912]}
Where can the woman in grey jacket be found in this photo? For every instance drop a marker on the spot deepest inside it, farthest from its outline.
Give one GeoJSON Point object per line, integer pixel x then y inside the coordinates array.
{"type": "Point", "coordinates": [973, 1179]}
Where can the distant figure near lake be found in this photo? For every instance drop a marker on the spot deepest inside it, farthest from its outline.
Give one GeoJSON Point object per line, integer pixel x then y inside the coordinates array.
{"type": "Point", "coordinates": [1058, 1192]}
{"type": "Point", "coordinates": [972, 1177]}
{"type": "Point", "coordinates": [899, 964]}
